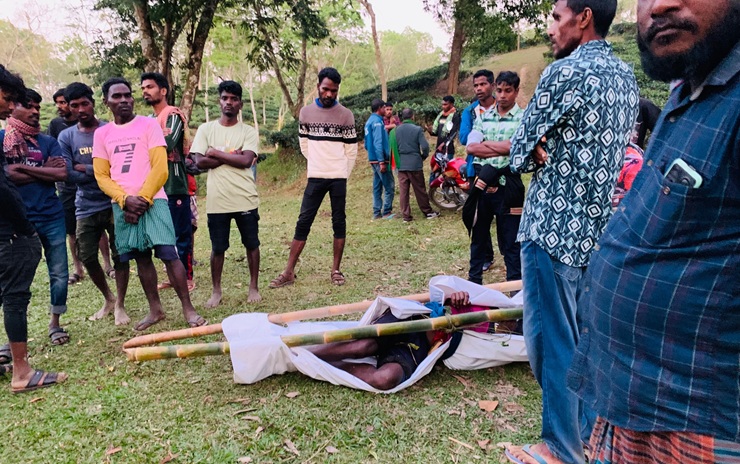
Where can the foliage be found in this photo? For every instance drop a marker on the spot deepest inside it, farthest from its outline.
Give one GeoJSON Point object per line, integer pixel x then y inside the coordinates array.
{"type": "Point", "coordinates": [399, 89]}
{"type": "Point", "coordinates": [494, 35]}
{"type": "Point", "coordinates": [285, 138]}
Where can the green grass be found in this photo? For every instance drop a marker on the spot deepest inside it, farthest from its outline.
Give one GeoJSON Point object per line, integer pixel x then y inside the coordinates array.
{"type": "Point", "coordinates": [192, 408]}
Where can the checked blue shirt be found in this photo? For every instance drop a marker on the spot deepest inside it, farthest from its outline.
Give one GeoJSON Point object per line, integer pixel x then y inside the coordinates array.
{"type": "Point", "coordinates": [586, 105]}
{"type": "Point", "coordinates": [660, 349]}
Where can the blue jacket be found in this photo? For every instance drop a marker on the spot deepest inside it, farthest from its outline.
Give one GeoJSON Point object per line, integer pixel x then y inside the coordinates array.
{"type": "Point", "coordinates": [376, 140]}
{"type": "Point", "coordinates": [466, 122]}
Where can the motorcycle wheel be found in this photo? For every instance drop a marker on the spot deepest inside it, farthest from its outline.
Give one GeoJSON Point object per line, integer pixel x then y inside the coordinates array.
{"type": "Point", "coordinates": [448, 198]}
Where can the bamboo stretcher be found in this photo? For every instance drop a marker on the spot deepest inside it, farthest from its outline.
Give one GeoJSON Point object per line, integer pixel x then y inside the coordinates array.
{"type": "Point", "coordinates": [284, 318]}
{"type": "Point", "coordinates": [357, 333]}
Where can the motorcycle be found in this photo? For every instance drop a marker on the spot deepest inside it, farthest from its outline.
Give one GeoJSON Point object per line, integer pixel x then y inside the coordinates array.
{"type": "Point", "coordinates": [448, 183]}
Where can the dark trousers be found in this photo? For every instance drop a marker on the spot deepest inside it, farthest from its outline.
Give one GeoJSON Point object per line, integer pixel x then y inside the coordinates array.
{"type": "Point", "coordinates": [182, 221]}
{"type": "Point", "coordinates": [19, 259]}
{"type": "Point", "coordinates": [490, 206]}
{"type": "Point", "coordinates": [414, 179]}
{"type": "Point", "coordinates": [316, 190]}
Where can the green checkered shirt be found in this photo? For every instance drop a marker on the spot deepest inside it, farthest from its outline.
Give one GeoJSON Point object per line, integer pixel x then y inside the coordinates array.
{"type": "Point", "coordinates": [496, 128]}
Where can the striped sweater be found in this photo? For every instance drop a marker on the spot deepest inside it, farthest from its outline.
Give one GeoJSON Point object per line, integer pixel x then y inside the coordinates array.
{"type": "Point", "coordinates": [328, 140]}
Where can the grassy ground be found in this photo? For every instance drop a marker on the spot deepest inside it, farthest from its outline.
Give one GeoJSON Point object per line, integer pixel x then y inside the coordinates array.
{"type": "Point", "coordinates": [188, 411]}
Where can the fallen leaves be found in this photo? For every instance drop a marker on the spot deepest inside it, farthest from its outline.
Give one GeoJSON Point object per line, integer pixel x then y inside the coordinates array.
{"type": "Point", "coordinates": [242, 411]}
{"type": "Point", "coordinates": [463, 381]}
{"type": "Point", "coordinates": [484, 444]}
{"type": "Point", "coordinates": [37, 399]}
{"type": "Point", "coordinates": [244, 460]}
{"type": "Point", "coordinates": [110, 451]}
{"type": "Point", "coordinates": [331, 450]}
{"type": "Point", "coordinates": [168, 458]}
{"type": "Point", "coordinates": [291, 447]}
{"type": "Point", "coordinates": [292, 394]}
{"type": "Point", "coordinates": [488, 405]}
{"type": "Point", "coordinates": [461, 443]}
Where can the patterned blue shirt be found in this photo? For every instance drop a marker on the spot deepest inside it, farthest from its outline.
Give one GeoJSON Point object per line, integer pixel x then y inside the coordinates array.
{"type": "Point", "coordinates": [586, 105]}
{"type": "Point", "coordinates": [660, 350]}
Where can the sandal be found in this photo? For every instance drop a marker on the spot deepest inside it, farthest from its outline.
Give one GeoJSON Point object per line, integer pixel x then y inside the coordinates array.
{"type": "Point", "coordinates": [197, 322]}
{"type": "Point", "coordinates": [337, 278]}
{"type": "Point", "coordinates": [6, 369]}
{"type": "Point", "coordinates": [74, 278]}
{"type": "Point", "coordinates": [5, 355]}
{"type": "Point", "coordinates": [58, 336]}
{"type": "Point", "coordinates": [111, 273]}
{"type": "Point", "coordinates": [281, 281]}
{"type": "Point", "coordinates": [41, 379]}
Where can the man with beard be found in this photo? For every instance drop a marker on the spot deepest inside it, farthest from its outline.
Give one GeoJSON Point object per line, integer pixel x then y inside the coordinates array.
{"type": "Point", "coordinates": [34, 163]}
{"type": "Point", "coordinates": [328, 139]}
{"type": "Point", "coordinates": [658, 358]}
{"type": "Point", "coordinates": [228, 148]}
{"type": "Point", "coordinates": [573, 136]}
{"type": "Point", "coordinates": [93, 210]}
{"type": "Point", "coordinates": [130, 164]}
{"type": "Point", "coordinates": [20, 253]}
{"type": "Point", "coordinates": [154, 90]}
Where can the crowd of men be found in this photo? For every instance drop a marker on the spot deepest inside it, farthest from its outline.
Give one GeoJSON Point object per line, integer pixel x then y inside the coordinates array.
{"type": "Point", "coordinates": [631, 308]}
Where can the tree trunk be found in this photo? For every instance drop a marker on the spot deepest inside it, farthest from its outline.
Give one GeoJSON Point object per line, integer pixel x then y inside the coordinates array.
{"type": "Point", "coordinates": [378, 55]}
{"type": "Point", "coordinates": [250, 90]}
{"type": "Point", "coordinates": [196, 44]}
{"type": "Point", "coordinates": [146, 34]}
{"type": "Point", "coordinates": [453, 71]}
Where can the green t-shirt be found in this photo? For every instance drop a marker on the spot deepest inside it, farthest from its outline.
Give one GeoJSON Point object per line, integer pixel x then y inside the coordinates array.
{"type": "Point", "coordinates": [496, 128]}
{"type": "Point", "coordinates": [228, 189]}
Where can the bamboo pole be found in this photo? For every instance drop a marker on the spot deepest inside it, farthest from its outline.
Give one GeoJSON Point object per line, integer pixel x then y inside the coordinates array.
{"type": "Point", "coordinates": [314, 313]}
{"type": "Point", "coordinates": [330, 336]}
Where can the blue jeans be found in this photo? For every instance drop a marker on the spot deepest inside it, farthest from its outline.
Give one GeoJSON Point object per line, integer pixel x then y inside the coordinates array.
{"type": "Point", "coordinates": [551, 328]}
{"type": "Point", "coordinates": [382, 202]}
{"type": "Point", "coordinates": [53, 235]}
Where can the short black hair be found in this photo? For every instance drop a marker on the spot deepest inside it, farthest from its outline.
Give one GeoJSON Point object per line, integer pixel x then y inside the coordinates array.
{"type": "Point", "coordinates": [77, 90]}
{"type": "Point", "coordinates": [113, 81]}
{"type": "Point", "coordinates": [158, 79]}
{"type": "Point", "coordinates": [508, 77]}
{"type": "Point", "coordinates": [32, 96]}
{"type": "Point", "coordinates": [12, 85]}
{"type": "Point", "coordinates": [484, 73]}
{"type": "Point", "coordinates": [232, 87]}
{"type": "Point", "coordinates": [407, 113]}
{"type": "Point", "coordinates": [57, 94]}
{"type": "Point", "coordinates": [449, 99]}
{"type": "Point", "coordinates": [376, 104]}
{"type": "Point", "coordinates": [603, 12]}
{"type": "Point", "coordinates": [330, 73]}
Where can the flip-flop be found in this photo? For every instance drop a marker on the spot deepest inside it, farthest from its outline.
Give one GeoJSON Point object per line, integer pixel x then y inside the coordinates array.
{"type": "Point", "coordinates": [5, 355]}
{"type": "Point", "coordinates": [6, 369]}
{"type": "Point", "coordinates": [527, 449]}
{"type": "Point", "coordinates": [146, 323]}
{"type": "Point", "coordinates": [40, 379]}
{"type": "Point", "coordinates": [58, 336]}
{"type": "Point", "coordinates": [111, 273]}
{"type": "Point", "coordinates": [197, 322]}
{"type": "Point", "coordinates": [74, 278]}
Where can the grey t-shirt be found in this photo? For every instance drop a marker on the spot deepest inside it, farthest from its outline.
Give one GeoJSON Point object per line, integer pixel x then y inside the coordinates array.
{"type": "Point", "coordinates": [77, 149]}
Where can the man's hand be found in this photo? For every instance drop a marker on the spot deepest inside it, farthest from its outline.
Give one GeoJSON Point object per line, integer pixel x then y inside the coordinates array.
{"type": "Point", "coordinates": [540, 154]}
{"type": "Point", "coordinates": [80, 168]}
{"type": "Point", "coordinates": [210, 152]}
{"type": "Point", "coordinates": [55, 162]}
{"type": "Point", "coordinates": [166, 131]}
{"type": "Point", "coordinates": [131, 218]}
{"type": "Point", "coordinates": [136, 205]}
{"type": "Point", "coordinates": [460, 299]}
{"type": "Point", "coordinates": [383, 167]}
{"type": "Point", "coordinates": [441, 147]}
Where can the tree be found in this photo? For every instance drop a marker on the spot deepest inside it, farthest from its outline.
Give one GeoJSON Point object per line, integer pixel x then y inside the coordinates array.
{"type": "Point", "coordinates": [378, 54]}
{"type": "Point", "coordinates": [471, 18]}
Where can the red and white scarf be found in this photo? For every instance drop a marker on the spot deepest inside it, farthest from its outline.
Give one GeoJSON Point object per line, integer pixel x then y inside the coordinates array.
{"type": "Point", "coordinates": [16, 135]}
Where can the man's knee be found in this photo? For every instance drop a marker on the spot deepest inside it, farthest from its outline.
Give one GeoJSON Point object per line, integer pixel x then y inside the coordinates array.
{"type": "Point", "coordinates": [387, 377]}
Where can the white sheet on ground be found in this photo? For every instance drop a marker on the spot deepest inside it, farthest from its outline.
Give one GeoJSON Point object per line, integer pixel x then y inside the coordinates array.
{"type": "Point", "coordinates": [258, 352]}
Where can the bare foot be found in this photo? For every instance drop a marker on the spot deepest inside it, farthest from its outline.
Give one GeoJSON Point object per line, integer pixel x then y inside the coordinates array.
{"type": "Point", "coordinates": [149, 321]}
{"type": "Point", "coordinates": [120, 316]}
{"type": "Point", "coordinates": [527, 455]}
{"type": "Point", "coordinates": [214, 300]}
{"type": "Point", "coordinates": [104, 311]}
{"type": "Point", "coordinates": [254, 296]}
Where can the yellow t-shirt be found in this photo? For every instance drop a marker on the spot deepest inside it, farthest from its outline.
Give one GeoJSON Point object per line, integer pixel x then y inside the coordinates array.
{"type": "Point", "coordinates": [228, 189]}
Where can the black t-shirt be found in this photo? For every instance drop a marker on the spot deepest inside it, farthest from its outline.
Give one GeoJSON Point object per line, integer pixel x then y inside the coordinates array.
{"type": "Point", "coordinates": [443, 135]}
{"type": "Point", "coordinates": [57, 125]}
{"type": "Point", "coordinates": [646, 120]}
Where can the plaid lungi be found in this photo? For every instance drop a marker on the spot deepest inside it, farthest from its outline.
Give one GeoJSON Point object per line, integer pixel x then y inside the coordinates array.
{"type": "Point", "coordinates": [614, 445]}
{"type": "Point", "coordinates": [154, 228]}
